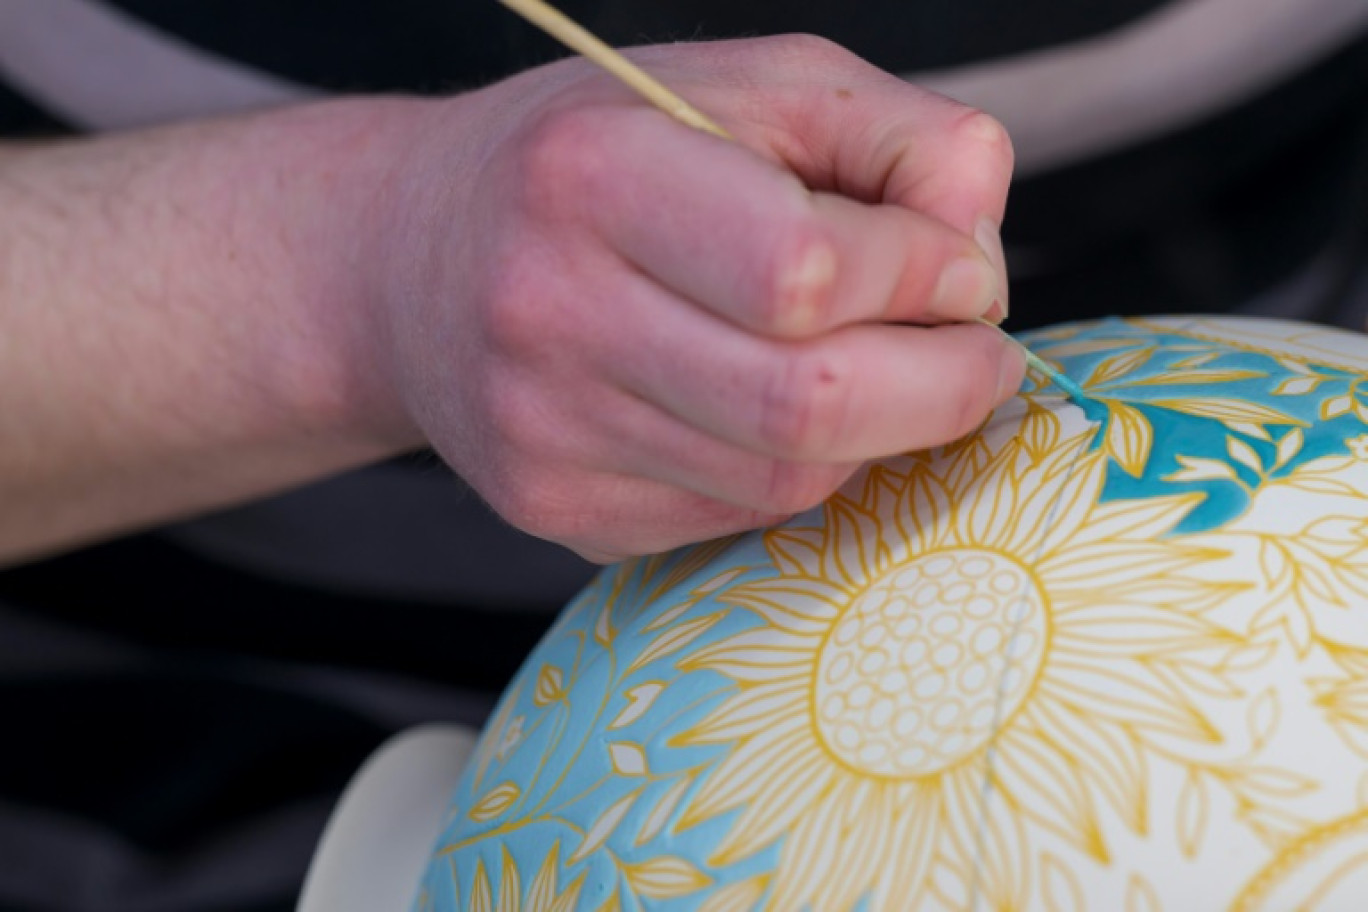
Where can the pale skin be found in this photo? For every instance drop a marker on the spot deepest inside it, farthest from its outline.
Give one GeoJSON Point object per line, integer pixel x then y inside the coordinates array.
{"type": "Point", "coordinates": [625, 334]}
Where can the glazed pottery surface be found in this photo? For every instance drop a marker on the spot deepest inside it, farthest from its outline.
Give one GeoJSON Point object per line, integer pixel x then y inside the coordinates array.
{"type": "Point", "coordinates": [1110, 657]}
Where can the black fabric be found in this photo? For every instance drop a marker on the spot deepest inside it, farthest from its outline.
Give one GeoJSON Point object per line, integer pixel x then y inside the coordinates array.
{"type": "Point", "coordinates": [224, 751]}
{"type": "Point", "coordinates": [1204, 219]}
{"type": "Point", "coordinates": [149, 591]}
{"type": "Point", "coordinates": [427, 45]}
{"type": "Point", "coordinates": [898, 36]}
{"type": "Point", "coordinates": [20, 117]}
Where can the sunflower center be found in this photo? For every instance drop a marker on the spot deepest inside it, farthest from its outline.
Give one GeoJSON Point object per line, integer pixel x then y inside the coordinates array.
{"type": "Point", "coordinates": [909, 679]}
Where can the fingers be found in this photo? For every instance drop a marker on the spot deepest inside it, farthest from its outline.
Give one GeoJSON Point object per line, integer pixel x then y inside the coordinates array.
{"type": "Point", "coordinates": [721, 227]}
{"type": "Point", "coordinates": [857, 393]}
{"type": "Point", "coordinates": [846, 126]}
{"type": "Point", "coordinates": [648, 442]}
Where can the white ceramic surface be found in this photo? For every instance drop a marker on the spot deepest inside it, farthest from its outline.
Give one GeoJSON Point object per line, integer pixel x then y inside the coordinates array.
{"type": "Point", "coordinates": [381, 835]}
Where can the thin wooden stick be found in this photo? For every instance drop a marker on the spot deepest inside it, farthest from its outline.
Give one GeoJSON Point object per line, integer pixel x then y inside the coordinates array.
{"type": "Point", "coordinates": [583, 42]}
{"type": "Point", "coordinates": [578, 39]}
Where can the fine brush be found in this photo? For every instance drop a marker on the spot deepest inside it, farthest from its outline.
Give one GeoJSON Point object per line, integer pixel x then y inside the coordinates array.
{"type": "Point", "coordinates": [586, 44]}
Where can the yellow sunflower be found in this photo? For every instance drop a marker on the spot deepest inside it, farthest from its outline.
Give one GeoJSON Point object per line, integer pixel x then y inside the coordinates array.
{"type": "Point", "coordinates": [969, 625]}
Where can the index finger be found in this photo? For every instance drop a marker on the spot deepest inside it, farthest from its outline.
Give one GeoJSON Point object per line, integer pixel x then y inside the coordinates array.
{"type": "Point", "coordinates": [848, 127]}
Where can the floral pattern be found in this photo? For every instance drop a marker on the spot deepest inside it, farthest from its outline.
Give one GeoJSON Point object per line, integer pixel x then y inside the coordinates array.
{"type": "Point", "coordinates": [1097, 657]}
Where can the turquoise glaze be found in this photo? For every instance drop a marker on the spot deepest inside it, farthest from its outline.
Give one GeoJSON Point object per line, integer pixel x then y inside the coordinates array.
{"type": "Point", "coordinates": [1077, 660]}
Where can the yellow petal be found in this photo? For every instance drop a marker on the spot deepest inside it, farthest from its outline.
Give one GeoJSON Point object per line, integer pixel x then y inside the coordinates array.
{"type": "Point", "coordinates": [550, 686]}
{"type": "Point", "coordinates": [665, 877]}
{"type": "Point", "coordinates": [495, 802]}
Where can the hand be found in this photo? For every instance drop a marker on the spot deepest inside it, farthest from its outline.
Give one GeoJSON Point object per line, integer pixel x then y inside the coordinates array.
{"type": "Point", "coordinates": [628, 335]}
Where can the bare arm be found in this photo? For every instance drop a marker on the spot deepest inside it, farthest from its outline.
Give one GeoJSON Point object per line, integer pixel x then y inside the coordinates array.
{"type": "Point", "coordinates": [625, 334]}
{"type": "Point", "coordinates": [181, 319]}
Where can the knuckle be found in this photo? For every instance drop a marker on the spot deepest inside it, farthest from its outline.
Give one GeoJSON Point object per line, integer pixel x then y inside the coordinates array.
{"type": "Point", "coordinates": [798, 285]}
{"type": "Point", "coordinates": [804, 405]}
{"type": "Point", "coordinates": [562, 156]}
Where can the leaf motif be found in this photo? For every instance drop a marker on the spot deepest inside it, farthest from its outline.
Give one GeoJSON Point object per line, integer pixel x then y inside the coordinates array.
{"type": "Point", "coordinates": [603, 624]}
{"type": "Point", "coordinates": [1228, 410]}
{"type": "Point", "coordinates": [1334, 407]}
{"type": "Point", "coordinates": [1257, 431]}
{"type": "Point", "coordinates": [665, 877]}
{"type": "Point", "coordinates": [742, 896]}
{"type": "Point", "coordinates": [1293, 365]}
{"type": "Point", "coordinates": [1197, 469]}
{"type": "Point", "coordinates": [1262, 718]}
{"type": "Point", "coordinates": [639, 699]}
{"type": "Point", "coordinates": [672, 640]}
{"type": "Point", "coordinates": [1244, 454]}
{"type": "Point", "coordinates": [1274, 561]}
{"type": "Point", "coordinates": [669, 615]}
{"type": "Point", "coordinates": [1361, 410]}
{"type": "Point", "coordinates": [1297, 386]}
{"type": "Point", "coordinates": [1129, 438]}
{"type": "Point", "coordinates": [1083, 347]}
{"type": "Point", "coordinates": [718, 581]}
{"type": "Point", "coordinates": [495, 802]}
{"type": "Point", "coordinates": [660, 814]}
{"type": "Point", "coordinates": [1289, 446]}
{"type": "Point", "coordinates": [694, 560]}
{"type": "Point", "coordinates": [550, 686]}
{"type": "Point", "coordinates": [1319, 484]}
{"type": "Point", "coordinates": [1275, 827]}
{"type": "Point", "coordinates": [1118, 366]}
{"type": "Point", "coordinates": [1276, 782]}
{"type": "Point", "coordinates": [1196, 360]}
{"type": "Point", "coordinates": [1178, 377]}
{"type": "Point", "coordinates": [603, 827]}
{"type": "Point", "coordinates": [628, 758]}
{"type": "Point", "coordinates": [1193, 811]}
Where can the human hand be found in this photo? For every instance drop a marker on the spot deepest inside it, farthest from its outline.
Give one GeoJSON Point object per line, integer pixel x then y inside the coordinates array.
{"type": "Point", "coordinates": [628, 335]}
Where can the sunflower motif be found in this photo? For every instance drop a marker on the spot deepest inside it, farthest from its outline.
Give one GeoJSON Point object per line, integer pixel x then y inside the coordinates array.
{"type": "Point", "coordinates": [941, 635]}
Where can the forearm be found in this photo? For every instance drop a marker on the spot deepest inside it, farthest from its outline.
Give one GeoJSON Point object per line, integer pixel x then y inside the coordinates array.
{"type": "Point", "coordinates": [185, 319]}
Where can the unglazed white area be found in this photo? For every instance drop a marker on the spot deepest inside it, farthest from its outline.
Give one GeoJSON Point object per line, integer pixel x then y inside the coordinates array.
{"type": "Point", "coordinates": [381, 835]}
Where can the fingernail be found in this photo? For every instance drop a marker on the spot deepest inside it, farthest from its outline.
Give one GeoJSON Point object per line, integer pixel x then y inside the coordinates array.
{"type": "Point", "coordinates": [966, 289]}
{"type": "Point", "coordinates": [989, 239]}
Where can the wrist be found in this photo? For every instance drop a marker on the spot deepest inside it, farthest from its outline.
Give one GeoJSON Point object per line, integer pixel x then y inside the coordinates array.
{"type": "Point", "coordinates": [336, 186]}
